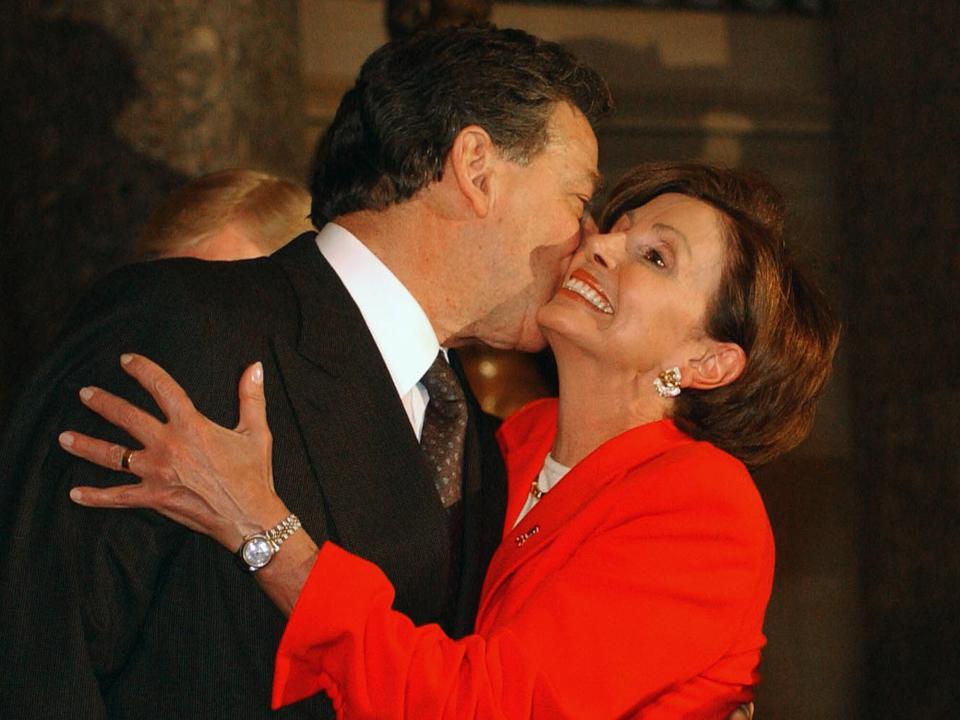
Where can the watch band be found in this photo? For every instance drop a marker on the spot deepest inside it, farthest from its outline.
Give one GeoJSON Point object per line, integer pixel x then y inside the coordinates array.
{"type": "Point", "coordinates": [282, 530]}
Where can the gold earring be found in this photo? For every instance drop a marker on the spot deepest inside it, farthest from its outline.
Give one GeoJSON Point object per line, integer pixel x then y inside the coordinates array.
{"type": "Point", "coordinates": [667, 383]}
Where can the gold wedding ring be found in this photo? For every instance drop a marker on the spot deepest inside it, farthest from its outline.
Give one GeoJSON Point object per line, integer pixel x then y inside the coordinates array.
{"type": "Point", "coordinates": [125, 459]}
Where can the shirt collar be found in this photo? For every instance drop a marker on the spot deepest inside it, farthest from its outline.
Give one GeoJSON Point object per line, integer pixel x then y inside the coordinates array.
{"type": "Point", "coordinates": [398, 324]}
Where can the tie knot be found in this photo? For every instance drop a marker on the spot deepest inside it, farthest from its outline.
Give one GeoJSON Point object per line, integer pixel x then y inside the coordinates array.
{"type": "Point", "coordinates": [442, 382]}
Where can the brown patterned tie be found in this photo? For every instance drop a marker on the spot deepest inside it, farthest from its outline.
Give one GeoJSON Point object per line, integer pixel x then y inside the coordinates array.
{"type": "Point", "coordinates": [444, 429]}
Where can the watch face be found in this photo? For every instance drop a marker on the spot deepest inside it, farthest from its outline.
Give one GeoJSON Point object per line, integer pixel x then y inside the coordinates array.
{"type": "Point", "coordinates": [257, 552]}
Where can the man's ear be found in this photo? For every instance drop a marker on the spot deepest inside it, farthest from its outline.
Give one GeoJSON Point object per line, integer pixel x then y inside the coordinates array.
{"type": "Point", "coordinates": [472, 159]}
{"type": "Point", "coordinates": [721, 364]}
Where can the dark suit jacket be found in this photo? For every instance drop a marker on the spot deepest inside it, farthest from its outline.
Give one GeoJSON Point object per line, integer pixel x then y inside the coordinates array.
{"type": "Point", "coordinates": [125, 614]}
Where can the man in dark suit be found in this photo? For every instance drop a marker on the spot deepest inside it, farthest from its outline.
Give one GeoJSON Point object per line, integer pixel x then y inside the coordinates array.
{"type": "Point", "coordinates": [454, 178]}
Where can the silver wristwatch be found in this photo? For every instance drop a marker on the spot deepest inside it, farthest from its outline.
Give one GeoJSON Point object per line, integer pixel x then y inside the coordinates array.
{"type": "Point", "coordinates": [259, 548]}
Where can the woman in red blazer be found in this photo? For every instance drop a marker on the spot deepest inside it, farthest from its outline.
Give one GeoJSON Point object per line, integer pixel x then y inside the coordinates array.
{"type": "Point", "coordinates": [637, 558]}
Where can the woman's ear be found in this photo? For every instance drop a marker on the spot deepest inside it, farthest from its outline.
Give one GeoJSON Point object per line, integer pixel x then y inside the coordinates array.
{"type": "Point", "coordinates": [720, 365]}
{"type": "Point", "coordinates": [472, 159]}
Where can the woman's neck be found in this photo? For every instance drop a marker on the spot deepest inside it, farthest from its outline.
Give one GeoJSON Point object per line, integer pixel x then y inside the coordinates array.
{"type": "Point", "coordinates": [597, 403]}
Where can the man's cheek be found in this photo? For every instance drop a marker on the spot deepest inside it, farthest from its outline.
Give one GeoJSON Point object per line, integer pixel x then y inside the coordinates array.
{"type": "Point", "coordinates": [561, 251]}
{"type": "Point", "coordinates": [574, 242]}
{"type": "Point", "coordinates": [565, 266]}
{"type": "Point", "coordinates": [566, 252]}
{"type": "Point", "coordinates": [588, 225]}
{"type": "Point", "coordinates": [549, 265]}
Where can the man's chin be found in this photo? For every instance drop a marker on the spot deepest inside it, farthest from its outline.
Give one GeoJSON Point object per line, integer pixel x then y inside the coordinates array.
{"type": "Point", "coordinates": [534, 343]}
{"type": "Point", "coordinates": [528, 339]}
{"type": "Point", "coordinates": [510, 326]}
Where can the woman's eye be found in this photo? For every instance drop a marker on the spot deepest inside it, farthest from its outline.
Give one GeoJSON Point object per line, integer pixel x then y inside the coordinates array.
{"type": "Point", "coordinates": [654, 256]}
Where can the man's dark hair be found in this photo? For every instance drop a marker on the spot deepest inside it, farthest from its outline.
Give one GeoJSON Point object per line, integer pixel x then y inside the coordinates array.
{"type": "Point", "coordinates": [394, 128]}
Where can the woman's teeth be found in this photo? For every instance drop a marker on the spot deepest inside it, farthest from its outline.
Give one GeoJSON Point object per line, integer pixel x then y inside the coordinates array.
{"type": "Point", "coordinates": [589, 294]}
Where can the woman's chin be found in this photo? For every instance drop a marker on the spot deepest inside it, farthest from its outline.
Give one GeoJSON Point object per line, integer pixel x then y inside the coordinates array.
{"type": "Point", "coordinates": [550, 321]}
{"type": "Point", "coordinates": [560, 332]}
{"type": "Point", "coordinates": [567, 317]}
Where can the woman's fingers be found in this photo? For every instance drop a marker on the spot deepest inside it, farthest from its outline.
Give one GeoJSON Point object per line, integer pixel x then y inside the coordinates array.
{"type": "Point", "coordinates": [253, 403]}
{"type": "Point", "coordinates": [118, 496]}
{"type": "Point", "coordinates": [169, 396]}
{"type": "Point", "coordinates": [211, 479]}
{"type": "Point", "coordinates": [140, 495]}
{"type": "Point", "coordinates": [139, 424]}
{"type": "Point", "coordinates": [106, 454]}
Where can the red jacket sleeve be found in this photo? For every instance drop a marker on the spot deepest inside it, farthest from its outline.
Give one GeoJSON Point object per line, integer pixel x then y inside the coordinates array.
{"type": "Point", "coordinates": [658, 595]}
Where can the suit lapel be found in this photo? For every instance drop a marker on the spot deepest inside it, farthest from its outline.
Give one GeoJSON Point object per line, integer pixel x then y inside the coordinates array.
{"type": "Point", "coordinates": [534, 533]}
{"type": "Point", "coordinates": [381, 500]}
{"type": "Point", "coordinates": [484, 493]}
{"type": "Point", "coordinates": [576, 490]}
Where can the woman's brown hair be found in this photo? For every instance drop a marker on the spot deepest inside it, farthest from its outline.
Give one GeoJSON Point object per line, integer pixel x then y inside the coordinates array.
{"type": "Point", "coordinates": [764, 304]}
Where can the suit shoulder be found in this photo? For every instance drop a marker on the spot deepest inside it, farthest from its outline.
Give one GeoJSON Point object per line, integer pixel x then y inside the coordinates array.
{"type": "Point", "coordinates": [700, 479]}
{"type": "Point", "coordinates": [702, 459]}
{"type": "Point", "coordinates": [184, 285]}
{"type": "Point", "coordinates": [190, 316]}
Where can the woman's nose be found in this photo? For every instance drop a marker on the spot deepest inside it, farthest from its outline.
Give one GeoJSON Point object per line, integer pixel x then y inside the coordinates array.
{"type": "Point", "coordinates": [601, 248]}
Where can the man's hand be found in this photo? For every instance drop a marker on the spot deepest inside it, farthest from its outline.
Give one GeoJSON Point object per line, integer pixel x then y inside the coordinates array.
{"type": "Point", "coordinates": [212, 479]}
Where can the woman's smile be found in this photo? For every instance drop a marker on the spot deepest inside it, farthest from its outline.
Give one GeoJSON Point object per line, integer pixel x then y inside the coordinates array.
{"type": "Point", "coordinates": [583, 286]}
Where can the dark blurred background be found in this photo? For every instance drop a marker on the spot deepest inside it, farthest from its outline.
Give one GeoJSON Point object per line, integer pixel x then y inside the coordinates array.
{"type": "Point", "coordinates": [852, 107]}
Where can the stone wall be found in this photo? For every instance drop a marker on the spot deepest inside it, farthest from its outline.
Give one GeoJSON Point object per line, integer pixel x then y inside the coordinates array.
{"type": "Point", "coordinates": [108, 105]}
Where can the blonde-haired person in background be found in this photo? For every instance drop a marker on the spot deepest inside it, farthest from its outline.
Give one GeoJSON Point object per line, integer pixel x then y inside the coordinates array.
{"type": "Point", "coordinates": [234, 214]}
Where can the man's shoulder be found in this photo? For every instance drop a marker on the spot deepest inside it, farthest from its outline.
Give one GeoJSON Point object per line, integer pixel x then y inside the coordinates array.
{"type": "Point", "coordinates": [188, 315]}
{"type": "Point", "coordinates": [182, 300]}
{"type": "Point", "coordinates": [189, 285]}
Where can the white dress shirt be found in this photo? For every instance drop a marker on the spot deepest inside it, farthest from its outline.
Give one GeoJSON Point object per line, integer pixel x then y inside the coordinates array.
{"type": "Point", "coordinates": [399, 326]}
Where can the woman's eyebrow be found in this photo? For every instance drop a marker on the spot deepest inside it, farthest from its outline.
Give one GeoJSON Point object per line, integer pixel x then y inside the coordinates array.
{"type": "Point", "coordinates": [671, 229]}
